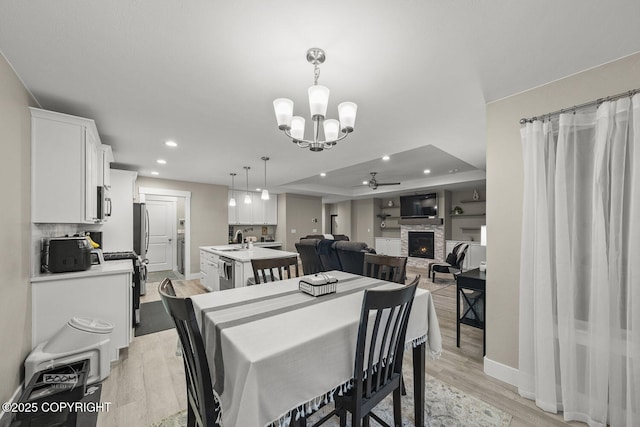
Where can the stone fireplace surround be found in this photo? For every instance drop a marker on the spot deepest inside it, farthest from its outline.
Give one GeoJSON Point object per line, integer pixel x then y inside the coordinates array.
{"type": "Point", "coordinates": [438, 244]}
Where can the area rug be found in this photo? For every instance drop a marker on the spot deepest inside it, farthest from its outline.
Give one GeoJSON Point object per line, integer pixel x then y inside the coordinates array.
{"type": "Point", "coordinates": [158, 276]}
{"type": "Point", "coordinates": [445, 406]}
{"type": "Point", "coordinates": [153, 318]}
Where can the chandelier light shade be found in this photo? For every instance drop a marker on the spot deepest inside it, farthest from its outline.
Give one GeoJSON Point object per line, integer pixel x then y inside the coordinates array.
{"type": "Point", "coordinates": [284, 112]}
{"type": "Point", "coordinates": [247, 197]}
{"type": "Point", "coordinates": [334, 130]}
{"type": "Point", "coordinates": [232, 200]}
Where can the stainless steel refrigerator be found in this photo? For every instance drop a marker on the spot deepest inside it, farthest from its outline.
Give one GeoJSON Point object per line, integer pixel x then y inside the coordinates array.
{"type": "Point", "coordinates": [140, 230]}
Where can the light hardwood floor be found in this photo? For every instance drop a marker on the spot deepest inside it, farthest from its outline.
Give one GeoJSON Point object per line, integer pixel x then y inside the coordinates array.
{"type": "Point", "coordinates": [147, 383]}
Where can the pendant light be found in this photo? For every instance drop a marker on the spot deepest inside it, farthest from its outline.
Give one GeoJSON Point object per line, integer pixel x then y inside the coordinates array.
{"type": "Point", "coordinates": [265, 192]}
{"type": "Point", "coordinates": [232, 200]}
{"type": "Point", "coordinates": [247, 197]}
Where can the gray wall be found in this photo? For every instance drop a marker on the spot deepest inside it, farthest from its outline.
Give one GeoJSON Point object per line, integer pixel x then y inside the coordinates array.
{"type": "Point", "coordinates": [15, 217]}
{"type": "Point", "coordinates": [505, 182]}
{"type": "Point", "coordinates": [363, 220]}
{"type": "Point", "coordinates": [209, 213]}
{"type": "Point", "coordinates": [297, 212]}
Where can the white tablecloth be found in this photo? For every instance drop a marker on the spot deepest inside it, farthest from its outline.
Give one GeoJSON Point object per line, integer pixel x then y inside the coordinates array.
{"type": "Point", "coordinates": [272, 348]}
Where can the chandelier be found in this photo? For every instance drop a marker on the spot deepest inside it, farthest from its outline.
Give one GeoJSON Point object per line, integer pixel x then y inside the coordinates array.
{"type": "Point", "coordinates": [293, 126]}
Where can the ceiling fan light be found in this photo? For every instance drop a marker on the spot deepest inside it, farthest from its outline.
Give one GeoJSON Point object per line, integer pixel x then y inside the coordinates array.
{"type": "Point", "coordinates": [297, 128]}
{"type": "Point", "coordinates": [283, 108]}
{"type": "Point", "coordinates": [265, 194]}
{"type": "Point", "coordinates": [318, 100]}
{"type": "Point", "coordinates": [331, 129]}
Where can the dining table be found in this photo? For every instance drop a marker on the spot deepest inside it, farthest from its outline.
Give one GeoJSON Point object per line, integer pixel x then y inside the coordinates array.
{"type": "Point", "coordinates": [276, 353]}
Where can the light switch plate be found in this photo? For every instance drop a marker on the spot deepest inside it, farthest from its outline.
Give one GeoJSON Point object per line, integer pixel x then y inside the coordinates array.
{"type": "Point", "coordinates": [293, 231]}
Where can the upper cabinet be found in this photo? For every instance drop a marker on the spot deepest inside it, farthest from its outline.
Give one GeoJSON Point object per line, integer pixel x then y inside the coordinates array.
{"type": "Point", "coordinates": [258, 212]}
{"type": "Point", "coordinates": [65, 170]}
{"type": "Point", "coordinates": [105, 158]}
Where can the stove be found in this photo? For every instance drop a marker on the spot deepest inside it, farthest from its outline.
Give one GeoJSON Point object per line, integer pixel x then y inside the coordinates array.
{"type": "Point", "coordinates": [114, 256]}
{"type": "Point", "coordinates": [139, 277]}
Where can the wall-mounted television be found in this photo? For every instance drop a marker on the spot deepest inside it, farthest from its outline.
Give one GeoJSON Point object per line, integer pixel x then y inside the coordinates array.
{"type": "Point", "coordinates": [421, 205]}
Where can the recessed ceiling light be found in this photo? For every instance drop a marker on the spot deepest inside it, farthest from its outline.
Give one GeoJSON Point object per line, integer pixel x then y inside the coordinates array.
{"type": "Point", "coordinates": [161, 161]}
{"type": "Point", "coordinates": [171, 144]}
{"type": "Point", "coordinates": [365, 182]}
{"type": "Point", "coordinates": [427, 171]}
{"type": "Point", "coordinates": [323, 174]}
{"type": "Point", "coordinates": [385, 158]}
{"type": "Point", "coordinates": [154, 173]}
{"type": "Point", "coordinates": [258, 189]}
{"type": "Point", "coordinates": [453, 170]}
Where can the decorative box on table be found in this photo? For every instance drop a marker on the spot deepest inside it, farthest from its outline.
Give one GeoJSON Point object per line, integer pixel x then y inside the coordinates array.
{"type": "Point", "coordinates": [318, 284]}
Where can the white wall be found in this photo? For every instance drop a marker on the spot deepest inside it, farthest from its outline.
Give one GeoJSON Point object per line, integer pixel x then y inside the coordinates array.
{"type": "Point", "coordinates": [15, 217]}
{"type": "Point", "coordinates": [505, 183]}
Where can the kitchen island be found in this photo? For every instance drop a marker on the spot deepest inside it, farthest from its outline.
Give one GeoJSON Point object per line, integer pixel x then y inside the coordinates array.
{"type": "Point", "coordinates": [229, 266]}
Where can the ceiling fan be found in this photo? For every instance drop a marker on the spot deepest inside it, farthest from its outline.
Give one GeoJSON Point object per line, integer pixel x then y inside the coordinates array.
{"type": "Point", "coordinates": [374, 184]}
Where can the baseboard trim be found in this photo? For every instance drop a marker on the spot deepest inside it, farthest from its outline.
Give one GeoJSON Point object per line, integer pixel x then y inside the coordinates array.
{"type": "Point", "coordinates": [193, 276]}
{"type": "Point", "coordinates": [500, 371]}
{"type": "Point", "coordinates": [5, 417]}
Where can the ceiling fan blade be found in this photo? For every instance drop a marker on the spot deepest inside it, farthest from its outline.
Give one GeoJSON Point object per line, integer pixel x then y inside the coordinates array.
{"type": "Point", "coordinates": [388, 183]}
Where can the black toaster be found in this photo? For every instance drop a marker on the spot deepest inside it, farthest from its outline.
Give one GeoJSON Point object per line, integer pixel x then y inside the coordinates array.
{"type": "Point", "coordinates": [64, 254]}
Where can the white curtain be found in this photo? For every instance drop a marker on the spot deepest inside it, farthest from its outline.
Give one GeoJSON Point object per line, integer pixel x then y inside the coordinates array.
{"type": "Point", "coordinates": [580, 265]}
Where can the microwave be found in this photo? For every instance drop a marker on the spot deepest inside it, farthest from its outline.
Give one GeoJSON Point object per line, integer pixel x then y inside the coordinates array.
{"type": "Point", "coordinates": [104, 204]}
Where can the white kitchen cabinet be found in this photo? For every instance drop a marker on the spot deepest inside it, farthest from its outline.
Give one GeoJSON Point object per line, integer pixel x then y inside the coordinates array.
{"type": "Point", "coordinates": [105, 158]}
{"type": "Point", "coordinates": [117, 233]}
{"type": "Point", "coordinates": [388, 246]}
{"type": "Point", "coordinates": [64, 169]}
{"type": "Point", "coordinates": [475, 253]}
{"type": "Point", "coordinates": [106, 297]}
{"type": "Point", "coordinates": [271, 210]}
{"type": "Point", "coordinates": [258, 212]}
{"type": "Point", "coordinates": [209, 273]}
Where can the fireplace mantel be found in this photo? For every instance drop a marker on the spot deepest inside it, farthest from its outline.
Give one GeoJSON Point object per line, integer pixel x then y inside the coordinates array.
{"type": "Point", "coordinates": [420, 221]}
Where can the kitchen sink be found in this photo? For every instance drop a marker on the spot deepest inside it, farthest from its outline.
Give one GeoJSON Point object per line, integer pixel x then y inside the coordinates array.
{"type": "Point", "coordinates": [231, 250]}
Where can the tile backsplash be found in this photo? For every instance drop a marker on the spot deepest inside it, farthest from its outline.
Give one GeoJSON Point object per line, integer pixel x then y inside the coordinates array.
{"type": "Point", "coordinates": [40, 232]}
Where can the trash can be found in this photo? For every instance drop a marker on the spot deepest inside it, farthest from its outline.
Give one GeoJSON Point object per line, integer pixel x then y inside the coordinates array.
{"type": "Point", "coordinates": [45, 396]}
{"type": "Point", "coordinates": [81, 338]}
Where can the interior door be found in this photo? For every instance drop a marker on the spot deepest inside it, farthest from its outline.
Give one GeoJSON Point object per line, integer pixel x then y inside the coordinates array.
{"type": "Point", "coordinates": [162, 232]}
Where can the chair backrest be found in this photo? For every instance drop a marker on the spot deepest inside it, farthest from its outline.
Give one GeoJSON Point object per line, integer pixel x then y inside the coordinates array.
{"type": "Point", "coordinates": [328, 255]}
{"type": "Point", "coordinates": [456, 257]}
{"type": "Point", "coordinates": [273, 266]}
{"type": "Point", "coordinates": [380, 347]}
{"type": "Point", "coordinates": [384, 267]}
{"type": "Point", "coordinates": [308, 250]}
{"type": "Point", "coordinates": [351, 255]}
{"type": "Point", "coordinates": [204, 407]}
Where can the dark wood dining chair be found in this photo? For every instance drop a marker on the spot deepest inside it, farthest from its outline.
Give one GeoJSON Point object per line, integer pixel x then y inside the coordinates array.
{"type": "Point", "coordinates": [374, 380]}
{"type": "Point", "coordinates": [308, 250]}
{"type": "Point", "coordinates": [384, 267]}
{"type": "Point", "coordinates": [273, 266]}
{"type": "Point", "coordinates": [203, 408]}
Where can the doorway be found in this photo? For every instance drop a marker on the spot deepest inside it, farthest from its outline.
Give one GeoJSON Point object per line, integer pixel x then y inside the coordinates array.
{"type": "Point", "coordinates": [334, 224]}
{"type": "Point", "coordinates": [183, 200]}
{"type": "Point", "coordinates": [162, 233]}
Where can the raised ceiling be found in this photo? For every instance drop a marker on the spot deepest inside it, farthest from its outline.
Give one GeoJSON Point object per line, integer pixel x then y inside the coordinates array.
{"type": "Point", "coordinates": [204, 73]}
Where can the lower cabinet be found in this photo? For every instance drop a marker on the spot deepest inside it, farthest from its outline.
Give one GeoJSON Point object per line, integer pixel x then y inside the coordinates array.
{"type": "Point", "coordinates": [106, 297]}
{"type": "Point", "coordinates": [388, 246]}
{"type": "Point", "coordinates": [209, 273]}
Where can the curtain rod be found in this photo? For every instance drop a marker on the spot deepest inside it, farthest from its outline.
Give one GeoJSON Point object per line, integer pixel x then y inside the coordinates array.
{"type": "Point", "coordinates": [598, 101]}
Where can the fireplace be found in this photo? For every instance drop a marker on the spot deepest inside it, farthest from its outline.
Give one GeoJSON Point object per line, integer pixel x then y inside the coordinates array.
{"type": "Point", "coordinates": [421, 244]}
